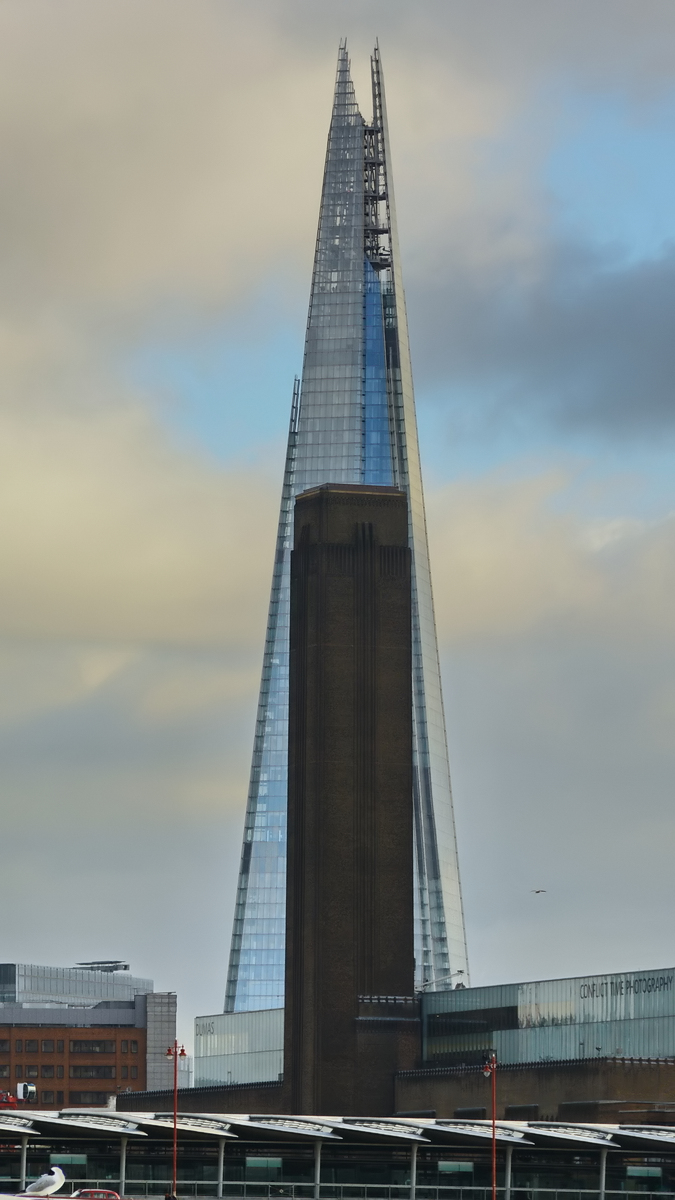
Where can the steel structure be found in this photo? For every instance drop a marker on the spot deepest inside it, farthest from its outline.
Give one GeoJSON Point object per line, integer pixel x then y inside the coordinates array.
{"type": "Point", "coordinates": [352, 420]}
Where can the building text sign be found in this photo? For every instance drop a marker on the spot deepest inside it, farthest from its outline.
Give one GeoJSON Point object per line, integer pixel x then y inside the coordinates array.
{"type": "Point", "coordinates": [624, 985]}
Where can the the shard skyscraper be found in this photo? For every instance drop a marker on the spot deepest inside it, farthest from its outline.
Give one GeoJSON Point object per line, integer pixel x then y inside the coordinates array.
{"type": "Point", "coordinates": [352, 421]}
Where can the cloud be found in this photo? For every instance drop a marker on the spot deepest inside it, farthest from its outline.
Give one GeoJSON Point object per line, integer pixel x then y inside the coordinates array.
{"type": "Point", "coordinates": [503, 562]}
{"type": "Point", "coordinates": [163, 165]}
{"type": "Point", "coordinates": [124, 784]}
{"type": "Point", "coordinates": [130, 764]}
{"type": "Point", "coordinates": [563, 780]}
{"type": "Point", "coordinates": [584, 346]}
{"type": "Point", "coordinates": [143, 148]}
{"type": "Point", "coordinates": [558, 652]}
{"type": "Point", "coordinates": [38, 676]}
{"type": "Point", "coordinates": [170, 153]}
{"type": "Point", "coordinates": [511, 558]}
{"type": "Point", "coordinates": [111, 532]}
{"type": "Point", "coordinates": [162, 169]}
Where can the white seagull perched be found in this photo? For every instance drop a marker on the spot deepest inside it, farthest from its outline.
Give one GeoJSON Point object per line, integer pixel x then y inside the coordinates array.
{"type": "Point", "coordinates": [46, 1184]}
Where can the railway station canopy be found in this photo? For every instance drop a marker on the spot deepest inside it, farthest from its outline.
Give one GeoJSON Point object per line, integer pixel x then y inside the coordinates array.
{"type": "Point", "coordinates": [242, 1155]}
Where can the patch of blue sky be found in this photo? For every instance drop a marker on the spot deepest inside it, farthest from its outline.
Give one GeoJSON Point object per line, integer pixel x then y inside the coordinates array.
{"type": "Point", "coordinates": [609, 175]}
{"type": "Point", "coordinates": [226, 389]}
{"type": "Point", "coordinates": [611, 172]}
{"type": "Point", "coordinates": [632, 479]}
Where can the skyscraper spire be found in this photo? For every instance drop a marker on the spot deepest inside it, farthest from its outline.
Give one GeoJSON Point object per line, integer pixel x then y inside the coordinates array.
{"type": "Point", "coordinates": [352, 421]}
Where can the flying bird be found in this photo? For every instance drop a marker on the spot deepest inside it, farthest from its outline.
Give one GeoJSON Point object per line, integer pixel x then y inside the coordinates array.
{"type": "Point", "coordinates": [537, 891]}
{"type": "Point", "coordinates": [47, 1184]}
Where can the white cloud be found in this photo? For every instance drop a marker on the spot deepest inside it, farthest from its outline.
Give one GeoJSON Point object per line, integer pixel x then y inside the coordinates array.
{"type": "Point", "coordinates": [511, 559]}
{"type": "Point", "coordinates": [111, 532]}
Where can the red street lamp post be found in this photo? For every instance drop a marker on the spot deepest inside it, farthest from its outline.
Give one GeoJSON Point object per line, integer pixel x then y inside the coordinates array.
{"type": "Point", "coordinates": [490, 1072]}
{"type": "Point", "coordinates": [175, 1052]}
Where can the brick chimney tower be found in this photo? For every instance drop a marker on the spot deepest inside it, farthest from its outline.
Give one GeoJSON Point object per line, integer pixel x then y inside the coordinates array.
{"type": "Point", "coordinates": [351, 1019]}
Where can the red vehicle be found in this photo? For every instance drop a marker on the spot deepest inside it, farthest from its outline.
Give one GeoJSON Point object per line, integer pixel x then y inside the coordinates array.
{"type": "Point", "coordinates": [24, 1092]}
{"type": "Point", "coordinates": [96, 1194]}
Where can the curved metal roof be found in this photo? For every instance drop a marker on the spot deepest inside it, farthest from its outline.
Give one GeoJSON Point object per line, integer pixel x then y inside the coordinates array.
{"type": "Point", "coordinates": [275, 1127]}
{"type": "Point", "coordinates": [473, 1130]}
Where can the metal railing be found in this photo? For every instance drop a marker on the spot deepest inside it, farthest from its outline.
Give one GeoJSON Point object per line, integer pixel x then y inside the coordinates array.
{"type": "Point", "coordinates": [249, 1190]}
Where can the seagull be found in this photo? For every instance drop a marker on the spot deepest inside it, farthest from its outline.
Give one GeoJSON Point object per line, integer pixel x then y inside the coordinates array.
{"type": "Point", "coordinates": [47, 1184]}
{"type": "Point", "coordinates": [537, 891]}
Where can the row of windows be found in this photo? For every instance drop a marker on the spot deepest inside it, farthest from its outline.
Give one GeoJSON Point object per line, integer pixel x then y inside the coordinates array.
{"type": "Point", "coordinates": [32, 1071]}
{"type": "Point", "coordinates": [75, 1097]}
{"type": "Point", "coordinates": [49, 1045]}
{"type": "Point", "coordinates": [31, 1045]}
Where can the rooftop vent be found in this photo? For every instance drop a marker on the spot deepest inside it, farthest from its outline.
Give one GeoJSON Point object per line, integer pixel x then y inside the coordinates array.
{"type": "Point", "coordinates": [105, 964]}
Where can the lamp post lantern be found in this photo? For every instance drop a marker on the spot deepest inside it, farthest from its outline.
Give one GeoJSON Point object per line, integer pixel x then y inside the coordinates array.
{"type": "Point", "coordinates": [175, 1052]}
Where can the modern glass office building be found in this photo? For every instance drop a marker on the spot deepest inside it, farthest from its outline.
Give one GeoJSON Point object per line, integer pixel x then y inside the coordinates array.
{"type": "Point", "coordinates": [352, 421]}
{"type": "Point", "coordinates": [25, 983]}
{"type": "Point", "coordinates": [245, 1047]}
{"type": "Point", "coordinates": [626, 1016]}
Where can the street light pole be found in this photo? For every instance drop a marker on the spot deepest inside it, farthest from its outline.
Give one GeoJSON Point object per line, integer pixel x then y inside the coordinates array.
{"type": "Point", "coordinates": [490, 1072]}
{"type": "Point", "coordinates": [175, 1052]}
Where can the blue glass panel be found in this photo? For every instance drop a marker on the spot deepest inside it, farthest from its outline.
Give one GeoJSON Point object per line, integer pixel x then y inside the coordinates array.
{"type": "Point", "coordinates": [377, 458]}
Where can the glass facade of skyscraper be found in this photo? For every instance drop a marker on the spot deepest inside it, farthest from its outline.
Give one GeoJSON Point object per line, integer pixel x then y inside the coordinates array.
{"type": "Point", "coordinates": [352, 421]}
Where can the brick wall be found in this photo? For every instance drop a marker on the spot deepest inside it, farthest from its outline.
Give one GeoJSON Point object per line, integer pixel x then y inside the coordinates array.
{"type": "Point", "coordinates": [550, 1087]}
{"type": "Point", "coordinates": [73, 1066]}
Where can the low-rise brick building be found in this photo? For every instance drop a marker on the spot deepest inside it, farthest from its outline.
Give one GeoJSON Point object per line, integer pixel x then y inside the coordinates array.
{"type": "Point", "coordinates": [108, 1034]}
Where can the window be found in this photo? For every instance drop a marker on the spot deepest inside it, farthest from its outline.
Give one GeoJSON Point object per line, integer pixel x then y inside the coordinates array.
{"type": "Point", "coordinates": [31, 1045]}
{"type": "Point", "coordinates": [4, 1070]}
{"type": "Point", "coordinates": [59, 1046]}
{"type": "Point", "coordinates": [4, 1045]}
{"type": "Point", "coordinates": [31, 1072]}
{"type": "Point", "coordinates": [134, 1047]}
{"type": "Point", "coordinates": [47, 1045]}
{"type": "Point", "coordinates": [18, 1071]}
{"type": "Point", "coordinates": [47, 1072]}
{"type": "Point", "coordinates": [18, 1046]}
{"type": "Point", "coordinates": [134, 1072]}
{"type": "Point", "coordinates": [92, 1072]}
{"type": "Point", "coordinates": [125, 1072]}
{"type": "Point", "coordinates": [99, 1098]}
{"type": "Point", "coordinates": [125, 1047]}
{"type": "Point", "coordinates": [59, 1072]}
{"type": "Point", "coordinates": [263, 1170]}
{"type": "Point", "coordinates": [93, 1047]}
{"type": "Point", "coordinates": [47, 1097]}
{"type": "Point", "coordinates": [59, 1097]}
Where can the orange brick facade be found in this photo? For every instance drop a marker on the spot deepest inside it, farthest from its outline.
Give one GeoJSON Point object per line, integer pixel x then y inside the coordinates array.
{"type": "Point", "coordinates": [73, 1066]}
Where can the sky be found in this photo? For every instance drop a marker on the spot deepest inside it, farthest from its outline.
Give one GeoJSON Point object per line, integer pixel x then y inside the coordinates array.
{"type": "Point", "coordinates": [162, 164]}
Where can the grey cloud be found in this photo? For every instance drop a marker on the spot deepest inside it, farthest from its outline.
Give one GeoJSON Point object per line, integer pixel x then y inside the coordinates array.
{"type": "Point", "coordinates": [563, 780]}
{"type": "Point", "coordinates": [142, 144]}
{"type": "Point", "coordinates": [521, 41]}
{"type": "Point", "coordinates": [128, 819]}
{"type": "Point", "coordinates": [586, 345]}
